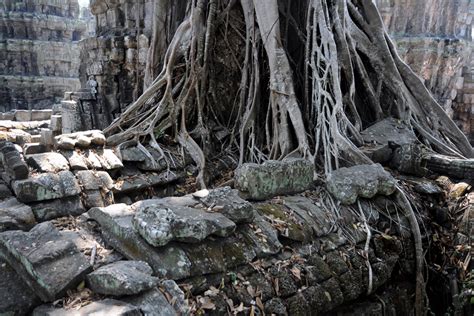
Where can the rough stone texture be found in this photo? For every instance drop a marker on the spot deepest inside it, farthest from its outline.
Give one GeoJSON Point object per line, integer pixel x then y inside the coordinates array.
{"type": "Point", "coordinates": [47, 210]}
{"type": "Point", "coordinates": [259, 182]}
{"type": "Point", "coordinates": [122, 278]}
{"type": "Point", "coordinates": [46, 186]}
{"type": "Point", "coordinates": [39, 53]}
{"type": "Point", "coordinates": [347, 184]}
{"type": "Point", "coordinates": [117, 229]}
{"type": "Point", "coordinates": [17, 297]}
{"type": "Point", "coordinates": [160, 224]}
{"type": "Point", "coordinates": [94, 180]}
{"type": "Point", "coordinates": [36, 254]}
{"type": "Point", "coordinates": [152, 302]}
{"type": "Point", "coordinates": [435, 38]}
{"type": "Point", "coordinates": [48, 162]}
{"type": "Point", "coordinates": [15, 216]}
{"type": "Point", "coordinates": [105, 307]}
{"type": "Point", "coordinates": [12, 161]}
{"type": "Point", "coordinates": [388, 130]}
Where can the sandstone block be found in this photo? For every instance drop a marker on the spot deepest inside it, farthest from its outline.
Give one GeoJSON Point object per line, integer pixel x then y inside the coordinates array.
{"type": "Point", "coordinates": [22, 115]}
{"type": "Point", "coordinates": [122, 278]}
{"type": "Point", "coordinates": [259, 182]}
{"type": "Point", "coordinates": [48, 162]}
{"type": "Point", "coordinates": [228, 202]}
{"type": "Point", "coordinates": [46, 186]}
{"type": "Point", "coordinates": [94, 180]}
{"type": "Point", "coordinates": [15, 216]}
{"type": "Point", "coordinates": [160, 224]}
{"type": "Point", "coordinates": [347, 184]}
{"type": "Point", "coordinates": [34, 148]}
{"type": "Point", "coordinates": [36, 253]}
{"type": "Point", "coordinates": [41, 115]}
{"type": "Point", "coordinates": [76, 160]}
{"type": "Point", "coordinates": [169, 262]}
{"type": "Point", "coordinates": [153, 302]}
{"type": "Point", "coordinates": [47, 210]}
{"type": "Point", "coordinates": [56, 123]}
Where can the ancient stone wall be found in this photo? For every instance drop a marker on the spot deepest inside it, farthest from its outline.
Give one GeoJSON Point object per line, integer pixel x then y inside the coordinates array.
{"type": "Point", "coordinates": [435, 38]}
{"type": "Point", "coordinates": [39, 55]}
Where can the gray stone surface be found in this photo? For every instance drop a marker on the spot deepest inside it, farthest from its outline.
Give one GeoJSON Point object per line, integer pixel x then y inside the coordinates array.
{"type": "Point", "coordinates": [48, 162]}
{"type": "Point", "coordinates": [12, 161]}
{"type": "Point", "coordinates": [94, 180]}
{"type": "Point", "coordinates": [142, 181]}
{"type": "Point", "coordinates": [46, 186]}
{"type": "Point", "coordinates": [132, 154]}
{"type": "Point", "coordinates": [388, 130]}
{"type": "Point", "coordinates": [180, 304]}
{"type": "Point", "coordinates": [48, 262]}
{"type": "Point", "coordinates": [100, 308]}
{"type": "Point", "coordinates": [116, 226]}
{"type": "Point", "coordinates": [122, 278]}
{"type": "Point", "coordinates": [152, 303]}
{"type": "Point", "coordinates": [15, 216]}
{"type": "Point", "coordinates": [34, 148]}
{"type": "Point", "coordinates": [47, 210]}
{"type": "Point", "coordinates": [109, 160]}
{"type": "Point", "coordinates": [228, 202]}
{"type": "Point", "coordinates": [76, 161]}
{"type": "Point", "coordinates": [160, 224]}
{"type": "Point", "coordinates": [347, 184]}
{"type": "Point", "coordinates": [272, 178]}
{"type": "Point", "coordinates": [16, 297]}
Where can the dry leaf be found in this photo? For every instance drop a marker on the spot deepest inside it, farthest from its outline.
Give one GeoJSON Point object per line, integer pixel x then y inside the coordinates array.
{"type": "Point", "coordinates": [296, 272]}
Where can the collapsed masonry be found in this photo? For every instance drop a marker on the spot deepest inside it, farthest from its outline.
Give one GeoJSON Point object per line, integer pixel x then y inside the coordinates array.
{"type": "Point", "coordinates": [74, 211]}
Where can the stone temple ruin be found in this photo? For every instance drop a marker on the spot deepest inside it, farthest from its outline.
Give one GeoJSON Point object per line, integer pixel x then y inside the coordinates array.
{"type": "Point", "coordinates": [89, 228]}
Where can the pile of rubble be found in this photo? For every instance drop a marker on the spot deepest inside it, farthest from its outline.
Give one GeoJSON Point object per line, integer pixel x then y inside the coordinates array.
{"type": "Point", "coordinates": [87, 228]}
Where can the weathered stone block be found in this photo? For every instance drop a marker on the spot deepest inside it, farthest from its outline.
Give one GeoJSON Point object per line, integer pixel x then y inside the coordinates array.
{"type": "Point", "coordinates": [228, 202]}
{"type": "Point", "coordinates": [389, 130]}
{"type": "Point", "coordinates": [94, 180]}
{"type": "Point", "coordinates": [41, 115]}
{"type": "Point", "coordinates": [35, 254]}
{"type": "Point", "coordinates": [160, 224]}
{"type": "Point", "coordinates": [105, 307]}
{"type": "Point", "coordinates": [22, 115]}
{"type": "Point", "coordinates": [34, 148]}
{"type": "Point", "coordinates": [260, 182]}
{"type": "Point", "coordinates": [70, 206]}
{"type": "Point", "coordinates": [17, 297]}
{"type": "Point", "coordinates": [15, 216]}
{"type": "Point", "coordinates": [346, 184]}
{"type": "Point", "coordinates": [48, 162]}
{"type": "Point", "coordinates": [153, 302]}
{"type": "Point", "coordinates": [122, 278]}
{"type": "Point", "coordinates": [169, 262]}
{"type": "Point", "coordinates": [76, 160]}
{"type": "Point", "coordinates": [56, 123]}
{"type": "Point", "coordinates": [46, 186]}
{"type": "Point", "coordinates": [132, 154]}
{"type": "Point", "coordinates": [12, 161]}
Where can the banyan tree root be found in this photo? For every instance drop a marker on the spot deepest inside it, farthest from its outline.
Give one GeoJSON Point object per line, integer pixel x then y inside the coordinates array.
{"type": "Point", "coordinates": [314, 73]}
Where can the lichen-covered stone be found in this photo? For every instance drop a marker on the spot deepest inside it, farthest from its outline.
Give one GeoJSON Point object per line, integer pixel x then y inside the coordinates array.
{"type": "Point", "coordinates": [122, 278]}
{"type": "Point", "coordinates": [116, 225]}
{"type": "Point", "coordinates": [152, 302]}
{"type": "Point", "coordinates": [160, 224]}
{"type": "Point", "coordinates": [259, 182]}
{"type": "Point", "coordinates": [347, 184]}
{"type": "Point", "coordinates": [46, 186]}
{"type": "Point", "coordinates": [37, 253]}
{"type": "Point", "coordinates": [15, 215]}
{"type": "Point", "coordinates": [94, 180]}
{"type": "Point", "coordinates": [228, 202]}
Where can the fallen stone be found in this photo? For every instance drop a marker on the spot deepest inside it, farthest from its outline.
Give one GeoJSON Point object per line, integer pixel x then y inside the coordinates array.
{"type": "Point", "coordinates": [109, 160]}
{"type": "Point", "coordinates": [41, 115]}
{"type": "Point", "coordinates": [169, 262]}
{"type": "Point", "coordinates": [83, 141]}
{"type": "Point", "coordinates": [272, 178]}
{"type": "Point", "coordinates": [48, 162]}
{"type": "Point", "coordinates": [98, 138]}
{"type": "Point", "coordinates": [142, 181]}
{"type": "Point", "coordinates": [49, 263]}
{"type": "Point", "coordinates": [12, 161]}
{"type": "Point", "coordinates": [15, 216]}
{"type": "Point", "coordinates": [47, 138]}
{"type": "Point", "coordinates": [347, 184]}
{"type": "Point", "coordinates": [132, 154]}
{"type": "Point", "coordinates": [180, 303]}
{"type": "Point", "coordinates": [151, 303]}
{"type": "Point", "coordinates": [47, 210]}
{"type": "Point", "coordinates": [4, 191]}
{"type": "Point", "coordinates": [389, 130]}
{"type": "Point", "coordinates": [122, 278]}
{"type": "Point", "coordinates": [34, 148]}
{"type": "Point", "coordinates": [228, 202]}
{"type": "Point", "coordinates": [17, 297]}
{"type": "Point", "coordinates": [160, 224]}
{"type": "Point", "coordinates": [94, 180]}
{"type": "Point", "coordinates": [64, 142]}
{"type": "Point", "coordinates": [95, 198]}
{"type": "Point", "coordinates": [92, 160]}
{"type": "Point", "coordinates": [46, 186]}
{"type": "Point", "coordinates": [104, 307]}
{"type": "Point", "coordinates": [76, 161]}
